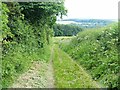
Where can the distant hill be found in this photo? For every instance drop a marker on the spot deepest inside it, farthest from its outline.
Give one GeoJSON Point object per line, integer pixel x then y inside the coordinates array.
{"type": "Point", "coordinates": [87, 23]}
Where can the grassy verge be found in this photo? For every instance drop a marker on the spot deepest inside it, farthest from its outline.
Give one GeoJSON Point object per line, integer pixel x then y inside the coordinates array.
{"type": "Point", "coordinates": [68, 74]}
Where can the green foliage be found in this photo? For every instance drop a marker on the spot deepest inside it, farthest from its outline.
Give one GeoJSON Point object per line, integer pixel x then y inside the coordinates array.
{"type": "Point", "coordinates": [44, 12]}
{"type": "Point", "coordinates": [26, 35]}
{"type": "Point", "coordinates": [4, 20]}
{"type": "Point", "coordinates": [6, 34]}
{"type": "Point", "coordinates": [96, 50]}
{"type": "Point", "coordinates": [66, 30]}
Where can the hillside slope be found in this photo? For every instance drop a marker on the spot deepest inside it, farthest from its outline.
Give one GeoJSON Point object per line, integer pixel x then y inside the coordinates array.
{"type": "Point", "coordinates": [96, 50]}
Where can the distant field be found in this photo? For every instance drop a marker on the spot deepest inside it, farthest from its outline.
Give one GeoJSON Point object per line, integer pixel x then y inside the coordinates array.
{"type": "Point", "coordinates": [62, 39]}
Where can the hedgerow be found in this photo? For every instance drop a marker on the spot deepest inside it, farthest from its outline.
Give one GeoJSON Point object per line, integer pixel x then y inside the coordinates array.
{"type": "Point", "coordinates": [97, 51]}
{"type": "Point", "coordinates": [26, 35]}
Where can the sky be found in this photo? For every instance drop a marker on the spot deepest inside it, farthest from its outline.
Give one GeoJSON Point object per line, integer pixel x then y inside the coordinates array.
{"type": "Point", "coordinates": [92, 9]}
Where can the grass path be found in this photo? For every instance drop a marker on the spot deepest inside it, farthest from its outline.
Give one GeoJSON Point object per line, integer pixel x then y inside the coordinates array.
{"type": "Point", "coordinates": [60, 72]}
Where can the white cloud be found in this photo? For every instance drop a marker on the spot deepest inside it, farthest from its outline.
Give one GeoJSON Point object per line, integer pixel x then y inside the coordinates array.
{"type": "Point", "coordinates": [96, 9]}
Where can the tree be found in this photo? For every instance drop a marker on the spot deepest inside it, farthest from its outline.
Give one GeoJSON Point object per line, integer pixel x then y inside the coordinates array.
{"type": "Point", "coordinates": [66, 30]}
